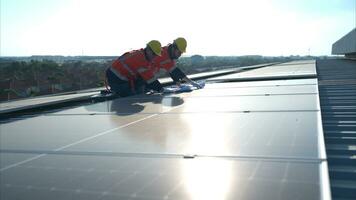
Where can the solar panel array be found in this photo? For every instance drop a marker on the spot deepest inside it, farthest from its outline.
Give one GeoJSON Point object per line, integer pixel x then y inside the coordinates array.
{"type": "Point", "coordinates": [230, 140]}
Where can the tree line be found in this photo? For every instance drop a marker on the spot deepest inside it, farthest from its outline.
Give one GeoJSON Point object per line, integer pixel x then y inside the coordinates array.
{"type": "Point", "coordinates": [21, 79]}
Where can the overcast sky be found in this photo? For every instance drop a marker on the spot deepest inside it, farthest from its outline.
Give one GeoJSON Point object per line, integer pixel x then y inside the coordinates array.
{"type": "Point", "coordinates": [211, 27]}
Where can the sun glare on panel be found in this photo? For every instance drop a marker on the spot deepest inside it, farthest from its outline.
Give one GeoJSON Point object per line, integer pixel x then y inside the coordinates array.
{"type": "Point", "coordinates": [206, 134]}
{"type": "Point", "coordinates": [206, 179]}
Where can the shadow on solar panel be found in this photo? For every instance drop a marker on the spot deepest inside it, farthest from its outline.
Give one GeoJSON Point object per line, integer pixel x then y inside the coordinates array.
{"type": "Point", "coordinates": [130, 106]}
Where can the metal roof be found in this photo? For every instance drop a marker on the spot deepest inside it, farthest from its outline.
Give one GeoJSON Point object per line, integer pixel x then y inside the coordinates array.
{"type": "Point", "coordinates": [337, 88]}
{"type": "Point", "coordinates": [231, 140]}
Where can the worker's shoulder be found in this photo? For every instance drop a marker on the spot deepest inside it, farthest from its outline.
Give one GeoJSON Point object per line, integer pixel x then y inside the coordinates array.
{"type": "Point", "coordinates": [134, 53]}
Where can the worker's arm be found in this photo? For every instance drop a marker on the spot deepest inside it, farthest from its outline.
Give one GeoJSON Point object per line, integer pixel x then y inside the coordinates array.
{"type": "Point", "coordinates": [178, 76]}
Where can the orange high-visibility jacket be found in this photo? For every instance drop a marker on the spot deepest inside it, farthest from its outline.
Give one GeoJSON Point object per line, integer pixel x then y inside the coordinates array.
{"type": "Point", "coordinates": [164, 61]}
{"type": "Point", "coordinates": [133, 64]}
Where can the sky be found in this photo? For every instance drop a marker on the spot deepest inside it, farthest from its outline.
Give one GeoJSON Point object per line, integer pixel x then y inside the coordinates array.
{"type": "Point", "coordinates": [211, 27]}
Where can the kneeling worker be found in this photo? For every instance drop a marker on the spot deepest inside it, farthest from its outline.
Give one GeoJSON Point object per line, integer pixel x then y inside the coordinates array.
{"type": "Point", "coordinates": [130, 72]}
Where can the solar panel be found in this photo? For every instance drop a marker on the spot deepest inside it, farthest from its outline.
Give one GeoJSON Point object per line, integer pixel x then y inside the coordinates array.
{"type": "Point", "coordinates": [52, 132]}
{"type": "Point", "coordinates": [278, 135]}
{"type": "Point", "coordinates": [96, 177]}
{"type": "Point", "coordinates": [282, 71]}
{"type": "Point", "coordinates": [253, 91]}
{"type": "Point", "coordinates": [263, 83]}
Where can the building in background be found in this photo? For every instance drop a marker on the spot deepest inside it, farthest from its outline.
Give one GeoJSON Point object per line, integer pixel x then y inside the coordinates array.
{"type": "Point", "coordinates": [346, 45]}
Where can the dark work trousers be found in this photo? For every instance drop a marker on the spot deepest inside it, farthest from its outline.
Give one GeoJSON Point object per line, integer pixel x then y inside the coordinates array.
{"type": "Point", "coordinates": [122, 87]}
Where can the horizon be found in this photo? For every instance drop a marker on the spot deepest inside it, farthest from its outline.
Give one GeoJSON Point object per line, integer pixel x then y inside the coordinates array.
{"type": "Point", "coordinates": [268, 28]}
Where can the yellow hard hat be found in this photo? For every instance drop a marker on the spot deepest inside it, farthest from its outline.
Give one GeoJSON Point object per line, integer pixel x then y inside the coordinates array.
{"type": "Point", "coordinates": [155, 46]}
{"type": "Point", "coordinates": [181, 44]}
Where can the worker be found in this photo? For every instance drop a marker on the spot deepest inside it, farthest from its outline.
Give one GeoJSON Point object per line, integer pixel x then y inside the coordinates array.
{"type": "Point", "coordinates": [167, 61]}
{"type": "Point", "coordinates": [129, 73]}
